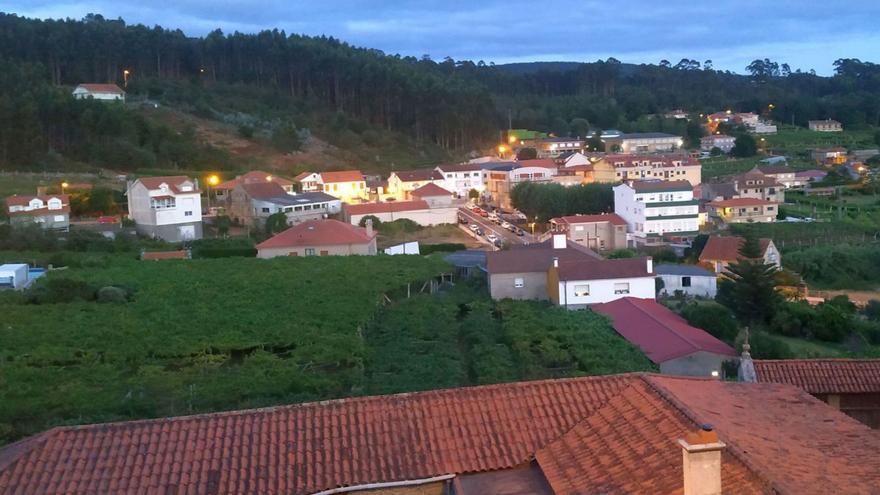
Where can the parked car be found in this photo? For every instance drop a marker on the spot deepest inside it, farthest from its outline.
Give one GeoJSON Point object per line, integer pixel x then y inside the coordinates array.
{"type": "Point", "coordinates": [479, 231]}
{"type": "Point", "coordinates": [474, 227]}
{"type": "Point", "coordinates": [491, 237]}
{"type": "Point", "coordinates": [484, 213]}
{"type": "Point", "coordinates": [498, 243]}
{"type": "Point", "coordinates": [507, 225]}
{"type": "Point", "coordinates": [520, 232]}
{"type": "Point", "coordinates": [462, 219]}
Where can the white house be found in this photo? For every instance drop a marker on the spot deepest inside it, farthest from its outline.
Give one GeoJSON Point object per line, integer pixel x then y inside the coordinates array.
{"type": "Point", "coordinates": [644, 142]}
{"type": "Point", "coordinates": [721, 141]}
{"type": "Point", "coordinates": [657, 209]}
{"type": "Point", "coordinates": [350, 186]}
{"type": "Point", "coordinates": [169, 208]}
{"type": "Point", "coordinates": [109, 92]}
{"type": "Point", "coordinates": [574, 159]}
{"type": "Point", "coordinates": [691, 280]}
{"type": "Point", "coordinates": [577, 284]}
{"type": "Point", "coordinates": [51, 212]}
{"type": "Point", "coordinates": [461, 179]}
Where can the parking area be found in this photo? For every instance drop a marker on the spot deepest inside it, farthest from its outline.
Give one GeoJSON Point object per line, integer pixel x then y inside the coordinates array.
{"type": "Point", "coordinates": [490, 231]}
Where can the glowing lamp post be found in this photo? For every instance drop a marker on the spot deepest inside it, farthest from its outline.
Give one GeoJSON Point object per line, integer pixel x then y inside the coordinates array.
{"type": "Point", "coordinates": [213, 180]}
{"type": "Point", "coordinates": [64, 186]}
{"type": "Point", "coordinates": [125, 74]}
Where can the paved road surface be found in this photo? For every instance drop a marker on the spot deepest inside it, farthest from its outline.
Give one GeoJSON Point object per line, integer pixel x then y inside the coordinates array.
{"type": "Point", "coordinates": [489, 226]}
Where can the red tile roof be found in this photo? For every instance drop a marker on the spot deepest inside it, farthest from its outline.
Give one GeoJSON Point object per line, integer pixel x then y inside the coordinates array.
{"type": "Point", "coordinates": [24, 200]}
{"type": "Point", "coordinates": [738, 202]}
{"type": "Point", "coordinates": [592, 269]}
{"type": "Point", "coordinates": [254, 177]}
{"type": "Point", "coordinates": [418, 175]}
{"type": "Point", "coordinates": [538, 162]}
{"type": "Point", "coordinates": [342, 176]}
{"type": "Point", "coordinates": [173, 181]}
{"type": "Point", "coordinates": [660, 333]}
{"type": "Point", "coordinates": [783, 434]}
{"type": "Point", "coordinates": [727, 248]}
{"type": "Point", "coordinates": [102, 88]}
{"type": "Point", "coordinates": [604, 217]}
{"type": "Point", "coordinates": [460, 167]}
{"type": "Point", "coordinates": [430, 190]}
{"type": "Point", "coordinates": [630, 446]}
{"type": "Point", "coordinates": [823, 376]}
{"type": "Point", "coordinates": [301, 449]}
{"type": "Point", "coordinates": [326, 232]}
{"type": "Point", "coordinates": [165, 255]}
{"type": "Point", "coordinates": [612, 434]}
{"type": "Point", "coordinates": [389, 207]}
{"type": "Point", "coordinates": [535, 257]}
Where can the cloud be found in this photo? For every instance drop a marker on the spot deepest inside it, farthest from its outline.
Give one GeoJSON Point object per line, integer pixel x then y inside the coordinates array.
{"type": "Point", "coordinates": [729, 32]}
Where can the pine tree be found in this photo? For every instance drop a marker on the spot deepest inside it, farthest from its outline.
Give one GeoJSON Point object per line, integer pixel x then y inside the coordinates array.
{"type": "Point", "coordinates": [749, 285]}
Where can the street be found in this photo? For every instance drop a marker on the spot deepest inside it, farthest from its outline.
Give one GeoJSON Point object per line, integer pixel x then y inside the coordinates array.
{"type": "Point", "coordinates": [489, 226]}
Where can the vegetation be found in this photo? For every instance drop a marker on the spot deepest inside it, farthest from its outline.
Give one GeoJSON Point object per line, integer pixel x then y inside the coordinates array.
{"type": "Point", "coordinates": [837, 266]}
{"type": "Point", "coordinates": [749, 287]}
{"type": "Point", "coordinates": [546, 201]}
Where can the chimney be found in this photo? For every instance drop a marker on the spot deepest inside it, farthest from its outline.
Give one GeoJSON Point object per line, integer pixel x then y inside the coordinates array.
{"type": "Point", "coordinates": [650, 264]}
{"type": "Point", "coordinates": [701, 458]}
{"type": "Point", "coordinates": [555, 262]}
{"type": "Point", "coordinates": [559, 241]}
{"type": "Point", "coordinates": [369, 226]}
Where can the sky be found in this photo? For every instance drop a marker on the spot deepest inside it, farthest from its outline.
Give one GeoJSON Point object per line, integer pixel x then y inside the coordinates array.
{"type": "Point", "coordinates": [806, 34]}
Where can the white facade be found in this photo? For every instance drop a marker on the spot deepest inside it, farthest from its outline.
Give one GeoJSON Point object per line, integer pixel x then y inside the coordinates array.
{"type": "Point", "coordinates": [310, 182]}
{"type": "Point", "coordinates": [84, 92]}
{"type": "Point", "coordinates": [650, 214]}
{"type": "Point", "coordinates": [171, 210]}
{"type": "Point", "coordinates": [723, 142]}
{"type": "Point", "coordinates": [460, 182]}
{"type": "Point", "coordinates": [576, 159]}
{"type": "Point", "coordinates": [690, 285]}
{"type": "Point", "coordinates": [13, 275]}
{"type": "Point", "coordinates": [573, 293]}
{"type": "Point", "coordinates": [425, 217]}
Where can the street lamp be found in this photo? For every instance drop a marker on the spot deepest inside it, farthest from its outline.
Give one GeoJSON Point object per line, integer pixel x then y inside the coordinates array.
{"type": "Point", "coordinates": [268, 178]}
{"type": "Point", "coordinates": [125, 74]}
{"type": "Point", "coordinates": [213, 180]}
{"type": "Point", "coordinates": [64, 186]}
{"type": "Point", "coordinates": [501, 149]}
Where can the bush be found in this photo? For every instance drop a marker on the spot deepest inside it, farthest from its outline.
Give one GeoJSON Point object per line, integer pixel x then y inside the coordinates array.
{"type": "Point", "coordinates": [374, 218]}
{"type": "Point", "coordinates": [112, 294]}
{"type": "Point", "coordinates": [441, 248]}
{"type": "Point", "coordinates": [831, 323]}
{"type": "Point", "coordinates": [223, 248]}
{"type": "Point", "coordinates": [59, 290]}
{"type": "Point", "coordinates": [713, 318]}
{"type": "Point", "coordinates": [793, 319]}
{"type": "Point", "coordinates": [621, 253]}
{"type": "Point", "coordinates": [404, 225]}
{"type": "Point", "coordinates": [766, 346]}
{"type": "Point", "coordinates": [872, 310]}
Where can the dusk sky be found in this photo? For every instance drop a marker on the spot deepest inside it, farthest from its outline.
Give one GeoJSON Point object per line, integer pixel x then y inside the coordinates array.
{"type": "Point", "coordinates": [804, 33]}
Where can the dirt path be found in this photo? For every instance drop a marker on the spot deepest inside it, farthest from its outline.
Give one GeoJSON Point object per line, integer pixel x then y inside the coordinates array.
{"type": "Point", "coordinates": [859, 297]}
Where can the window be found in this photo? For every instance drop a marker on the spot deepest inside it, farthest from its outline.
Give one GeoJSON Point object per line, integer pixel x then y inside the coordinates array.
{"type": "Point", "coordinates": [621, 288]}
{"type": "Point", "coordinates": [265, 210]}
{"type": "Point", "coordinates": [578, 228]}
{"type": "Point", "coordinates": [59, 218]}
{"type": "Point", "coordinates": [519, 283]}
{"type": "Point", "coordinates": [685, 281]}
{"type": "Point", "coordinates": [187, 213]}
{"type": "Point", "coordinates": [161, 203]}
{"type": "Point", "coordinates": [324, 253]}
{"type": "Point", "coordinates": [771, 208]}
{"type": "Point", "coordinates": [335, 187]}
{"type": "Point", "coordinates": [581, 290]}
{"type": "Point", "coordinates": [310, 251]}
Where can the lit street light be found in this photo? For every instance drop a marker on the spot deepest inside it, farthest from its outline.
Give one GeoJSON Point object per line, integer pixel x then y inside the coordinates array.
{"type": "Point", "coordinates": [64, 186]}
{"type": "Point", "coordinates": [125, 74]}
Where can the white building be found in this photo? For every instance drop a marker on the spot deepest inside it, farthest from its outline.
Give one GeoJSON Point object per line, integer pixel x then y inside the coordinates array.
{"type": "Point", "coordinates": [577, 284]}
{"type": "Point", "coordinates": [460, 179]}
{"type": "Point", "coordinates": [574, 159]}
{"type": "Point", "coordinates": [109, 92]}
{"type": "Point", "coordinates": [169, 208]}
{"type": "Point", "coordinates": [13, 276]}
{"type": "Point", "coordinates": [691, 280]}
{"type": "Point", "coordinates": [51, 212]}
{"type": "Point", "coordinates": [644, 142]}
{"type": "Point", "coordinates": [721, 141]}
{"type": "Point", "coordinates": [657, 209]}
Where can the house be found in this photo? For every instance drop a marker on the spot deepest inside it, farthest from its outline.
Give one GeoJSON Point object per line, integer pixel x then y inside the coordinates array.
{"type": "Point", "coordinates": [643, 142]}
{"type": "Point", "coordinates": [653, 167]}
{"type": "Point", "coordinates": [349, 186]}
{"type": "Point", "coordinates": [434, 195]}
{"type": "Point", "coordinates": [552, 147]}
{"type": "Point", "coordinates": [599, 170]}
{"type": "Point", "coordinates": [572, 158]}
{"type": "Point", "coordinates": [251, 203]}
{"type": "Point", "coordinates": [826, 125]}
{"type": "Point", "coordinates": [462, 179]}
{"type": "Point", "coordinates": [51, 212]}
{"type": "Point", "coordinates": [14, 276]}
{"type": "Point", "coordinates": [502, 178]}
{"type": "Point", "coordinates": [677, 114]}
{"type": "Point", "coordinates": [326, 237]}
{"type": "Point", "coordinates": [419, 211]}
{"type": "Point", "coordinates": [605, 232]}
{"type": "Point", "coordinates": [628, 433]}
{"type": "Point", "coordinates": [521, 271]}
{"type": "Point", "coordinates": [657, 210]}
{"type": "Point", "coordinates": [849, 385]}
{"type": "Point", "coordinates": [780, 172]}
{"type": "Point", "coordinates": [753, 184]}
{"type": "Point", "coordinates": [722, 251]}
{"type": "Point", "coordinates": [107, 92]}
{"type": "Point", "coordinates": [721, 141]}
{"type": "Point", "coordinates": [762, 127]}
{"type": "Point", "coordinates": [402, 183]}
{"type": "Point", "coordinates": [829, 156]}
{"type": "Point", "coordinates": [803, 178]}
{"type": "Point", "coordinates": [690, 280]}
{"type": "Point", "coordinates": [576, 284]}
{"type": "Point", "coordinates": [742, 210]}
{"type": "Point", "coordinates": [666, 338]}
{"type": "Point", "coordinates": [168, 208]}
{"type": "Point", "coordinates": [223, 191]}
{"type": "Point", "coordinates": [308, 181]}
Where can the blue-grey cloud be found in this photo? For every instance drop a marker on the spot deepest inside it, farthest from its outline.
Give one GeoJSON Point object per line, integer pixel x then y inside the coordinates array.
{"type": "Point", "coordinates": [805, 34]}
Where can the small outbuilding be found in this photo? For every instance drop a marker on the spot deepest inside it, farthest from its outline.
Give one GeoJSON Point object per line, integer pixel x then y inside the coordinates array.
{"type": "Point", "coordinates": [13, 276]}
{"type": "Point", "coordinates": [691, 280]}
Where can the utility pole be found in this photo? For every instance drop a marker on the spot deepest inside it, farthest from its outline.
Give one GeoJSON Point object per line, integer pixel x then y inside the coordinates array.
{"type": "Point", "coordinates": [509, 120]}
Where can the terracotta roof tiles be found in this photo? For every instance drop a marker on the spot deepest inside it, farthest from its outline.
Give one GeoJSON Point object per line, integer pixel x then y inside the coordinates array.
{"type": "Point", "coordinates": [173, 182]}
{"type": "Point", "coordinates": [388, 207]}
{"type": "Point", "coordinates": [823, 376]}
{"type": "Point", "coordinates": [429, 190]}
{"type": "Point", "coordinates": [613, 218]}
{"type": "Point", "coordinates": [325, 232]}
{"type": "Point", "coordinates": [342, 176]}
{"type": "Point", "coordinates": [726, 248]}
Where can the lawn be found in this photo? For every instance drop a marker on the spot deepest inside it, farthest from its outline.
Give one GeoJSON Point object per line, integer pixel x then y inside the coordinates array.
{"type": "Point", "coordinates": [27, 183]}
{"type": "Point", "coordinates": [791, 140]}
{"type": "Point", "coordinates": [438, 234]}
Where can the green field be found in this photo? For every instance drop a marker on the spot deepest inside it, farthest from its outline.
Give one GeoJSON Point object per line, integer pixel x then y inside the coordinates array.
{"type": "Point", "coordinates": [792, 140]}
{"type": "Point", "coordinates": [219, 334]}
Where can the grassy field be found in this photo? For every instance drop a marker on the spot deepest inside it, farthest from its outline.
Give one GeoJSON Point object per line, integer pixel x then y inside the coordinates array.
{"type": "Point", "coordinates": [438, 234]}
{"type": "Point", "coordinates": [792, 140]}
{"type": "Point", "coordinates": [27, 182]}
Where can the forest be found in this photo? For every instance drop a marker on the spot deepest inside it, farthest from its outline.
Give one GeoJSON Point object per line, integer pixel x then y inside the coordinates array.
{"type": "Point", "coordinates": [457, 105]}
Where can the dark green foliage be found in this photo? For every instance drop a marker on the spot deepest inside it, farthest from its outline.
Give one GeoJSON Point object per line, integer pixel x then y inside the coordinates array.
{"type": "Point", "coordinates": [59, 290]}
{"type": "Point", "coordinates": [749, 287]}
{"type": "Point", "coordinates": [693, 252]}
{"type": "Point", "coordinates": [744, 146]}
{"type": "Point", "coordinates": [546, 201]}
{"type": "Point", "coordinates": [872, 310]}
{"type": "Point", "coordinates": [403, 225]}
{"type": "Point", "coordinates": [276, 223]}
{"type": "Point", "coordinates": [837, 266]}
{"type": "Point", "coordinates": [374, 218]}
{"type": "Point", "coordinates": [246, 131]}
{"type": "Point", "coordinates": [622, 253]}
{"type": "Point", "coordinates": [222, 224]}
{"type": "Point", "coordinates": [595, 142]}
{"type": "Point", "coordinates": [713, 318]}
{"type": "Point", "coordinates": [111, 294]}
{"type": "Point", "coordinates": [447, 247]}
{"type": "Point", "coordinates": [766, 346]}
{"type": "Point", "coordinates": [223, 248]}
{"type": "Point", "coordinates": [286, 139]}
{"type": "Point", "coordinates": [527, 154]}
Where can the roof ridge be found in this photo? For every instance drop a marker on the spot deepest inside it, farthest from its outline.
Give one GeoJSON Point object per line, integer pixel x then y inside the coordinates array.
{"type": "Point", "coordinates": [734, 450]}
{"type": "Point", "coordinates": [815, 360]}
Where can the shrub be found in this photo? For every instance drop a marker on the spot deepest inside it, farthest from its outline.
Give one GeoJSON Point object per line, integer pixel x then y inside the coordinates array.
{"type": "Point", "coordinates": [830, 323]}
{"type": "Point", "coordinates": [59, 290]}
{"type": "Point", "coordinates": [223, 248]}
{"type": "Point", "coordinates": [441, 248]}
{"type": "Point", "coordinates": [713, 318]}
{"type": "Point", "coordinates": [374, 218]}
{"type": "Point", "coordinates": [621, 253]}
{"type": "Point", "coordinates": [402, 225]}
{"type": "Point", "coordinates": [112, 294]}
{"type": "Point", "coordinates": [872, 310]}
{"type": "Point", "coordinates": [766, 346]}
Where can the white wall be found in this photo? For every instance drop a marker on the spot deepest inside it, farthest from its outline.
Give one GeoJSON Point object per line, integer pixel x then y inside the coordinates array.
{"type": "Point", "coordinates": [701, 286]}
{"type": "Point", "coordinates": [434, 216]}
{"type": "Point", "coordinates": [139, 207]}
{"type": "Point", "coordinates": [602, 291]}
{"type": "Point", "coordinates": [462, 182]}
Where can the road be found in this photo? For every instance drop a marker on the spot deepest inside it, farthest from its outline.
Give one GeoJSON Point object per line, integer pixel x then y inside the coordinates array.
{"type": "Point", "coordinates": [489, 226]}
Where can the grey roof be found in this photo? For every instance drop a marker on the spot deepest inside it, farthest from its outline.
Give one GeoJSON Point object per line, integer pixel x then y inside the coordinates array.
{"type": "Point", "coordinates": [300, 199]}
{"type": "Point", "coordinates": [467, 259]}
{"type": "Point", "coordinates": [647, 135]}
{"type": "Point", "coordinates": [773, 159]}
{"type": "Point", "coordinates": [499, 165]}
{"type": "Point", "coordinates": [691, 270]}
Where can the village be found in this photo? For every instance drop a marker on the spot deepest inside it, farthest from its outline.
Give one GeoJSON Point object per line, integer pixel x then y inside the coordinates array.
{"type": "Point", "coordinates": [692, 310]}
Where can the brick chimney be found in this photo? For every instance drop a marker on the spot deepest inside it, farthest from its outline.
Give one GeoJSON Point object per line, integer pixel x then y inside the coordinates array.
{"type": "Point", "coordinates": [701, 458]}
{"type": "Point", "coordinates": [559, 241]}
{"type": "Point", "coordinates": [369, 225]}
